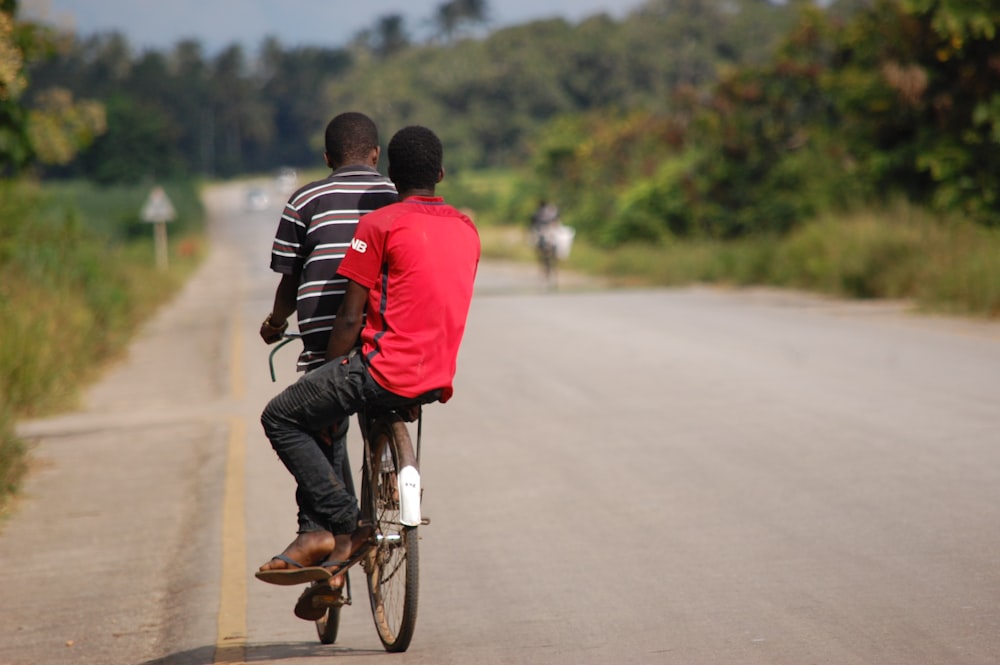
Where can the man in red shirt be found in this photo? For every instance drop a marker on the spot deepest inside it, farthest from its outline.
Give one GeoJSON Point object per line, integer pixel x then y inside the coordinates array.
{"type": "Point", "coordinates": [411, 266]}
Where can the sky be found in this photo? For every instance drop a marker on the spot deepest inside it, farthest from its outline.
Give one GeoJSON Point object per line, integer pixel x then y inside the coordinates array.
{"type": "Point", "coordinates": [160, 24]}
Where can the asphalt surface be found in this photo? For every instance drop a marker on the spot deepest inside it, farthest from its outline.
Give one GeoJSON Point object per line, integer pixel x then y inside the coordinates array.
{"type": "Point", "coordinates": [690, 476]}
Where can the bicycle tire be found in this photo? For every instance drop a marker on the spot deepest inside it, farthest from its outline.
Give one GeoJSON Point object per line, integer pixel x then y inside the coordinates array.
{"type": "Point", "coordinates": [329, 625]}
{"type": "Point", "coordinates": [549, 265]}
{"type": "Point", "coordinates": [393, 568]}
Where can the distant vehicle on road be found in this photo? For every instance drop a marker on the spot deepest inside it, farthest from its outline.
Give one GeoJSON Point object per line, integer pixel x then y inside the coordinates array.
{"type": "Point", "coordinates": [257, 199]}
{"type": "Point", "coordinates": [286, 180]}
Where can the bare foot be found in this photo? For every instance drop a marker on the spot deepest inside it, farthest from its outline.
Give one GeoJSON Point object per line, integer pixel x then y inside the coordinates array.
{"type": "Point", "coordinates": [348, 545]}
{"type": "Point", "coordinates": [309, 549]}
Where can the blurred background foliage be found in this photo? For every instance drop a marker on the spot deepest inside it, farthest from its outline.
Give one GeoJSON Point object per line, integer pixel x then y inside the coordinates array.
{"type": "Point", "coordinates": [716, 118]}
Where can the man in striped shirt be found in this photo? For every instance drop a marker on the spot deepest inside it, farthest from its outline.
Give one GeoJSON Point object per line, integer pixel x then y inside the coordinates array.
{"type": "Point", "coordinates": [313, 235]}
{"type": "Point", "coordinates": [315, 231]}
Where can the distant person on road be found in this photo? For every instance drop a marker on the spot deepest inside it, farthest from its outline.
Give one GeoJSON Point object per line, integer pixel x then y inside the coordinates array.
{"type": "Point", "coordinates": [412, 265]}
{"type": "Point", "coordinates": [313, 235]}
{"type": "Point", "coordinates": [545, 217]}
{"type": "Point", "coordinates": [545, 225]}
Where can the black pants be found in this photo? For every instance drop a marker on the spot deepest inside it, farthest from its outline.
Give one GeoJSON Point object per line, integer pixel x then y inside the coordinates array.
{"type": "Point", "coordinates": [319, 399]}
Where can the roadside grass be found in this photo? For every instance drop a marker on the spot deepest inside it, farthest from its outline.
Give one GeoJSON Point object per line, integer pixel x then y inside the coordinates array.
{"type": "Point", "coordinates": [900, 252]}
{"type": "Point", "coordinates": [77, 277]}
{"type": "Point", "coordinates": [13, 462]}
{"type": "Point", "coordinates": [944, 266]}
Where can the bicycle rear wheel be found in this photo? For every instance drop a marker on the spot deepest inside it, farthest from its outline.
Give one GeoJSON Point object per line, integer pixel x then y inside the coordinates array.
{"type": "Point", "coordinates": [392, 568]}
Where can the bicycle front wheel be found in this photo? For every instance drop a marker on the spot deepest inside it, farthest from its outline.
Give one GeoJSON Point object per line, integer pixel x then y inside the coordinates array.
{"type": "Point", "coordinates": [392, 569]}
{"type": "Point", "coordinates": [329, 625]}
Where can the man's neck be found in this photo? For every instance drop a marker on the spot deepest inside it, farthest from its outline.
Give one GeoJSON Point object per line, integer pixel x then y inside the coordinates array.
{"type": "Point", "coordinates": [355, 165]}
{"type": "Point", "coordinates": [416, 192]}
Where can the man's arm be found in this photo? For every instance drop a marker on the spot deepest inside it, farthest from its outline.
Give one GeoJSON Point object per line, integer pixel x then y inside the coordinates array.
{"type": "Point", "coordinates": [347, 325]}
{"type": "Point", "coordinates": [284, 306]}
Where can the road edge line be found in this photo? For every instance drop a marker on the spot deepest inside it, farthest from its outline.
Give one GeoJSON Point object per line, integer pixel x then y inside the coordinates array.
{"type": "Point", "coordinates": [230, 643]}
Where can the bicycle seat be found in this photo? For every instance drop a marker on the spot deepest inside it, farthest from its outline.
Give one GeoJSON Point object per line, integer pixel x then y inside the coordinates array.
{"type": "Point", "coordinates": [408, 413]}
{"type": "Point", "coordinates": [408, 410]}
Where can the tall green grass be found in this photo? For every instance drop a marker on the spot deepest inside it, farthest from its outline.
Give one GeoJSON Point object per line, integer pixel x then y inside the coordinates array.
{"type": "Point", "coordinates": [900, 252]}
{"type": "Point", "coordinates": [77, 275]}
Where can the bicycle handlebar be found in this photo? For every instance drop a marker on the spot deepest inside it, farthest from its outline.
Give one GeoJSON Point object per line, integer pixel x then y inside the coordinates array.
{"type": "Point", "coordinates": [286, 338]}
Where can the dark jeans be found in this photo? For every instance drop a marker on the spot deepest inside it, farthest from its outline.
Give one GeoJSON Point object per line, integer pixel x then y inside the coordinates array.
{"type": "Point", "coordinates": [332, 443]}
{"type": "Point", "coordinates": [319, 399]}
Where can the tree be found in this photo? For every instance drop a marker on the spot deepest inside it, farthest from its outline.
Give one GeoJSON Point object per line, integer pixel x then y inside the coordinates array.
{"type": "Point", "coordinates": [138, 145]}
{"type": "Point", "coordinates": [292, 79]}
{"type": "Point", "coordinates": [55, 130]}
{"type": "Point", "coordinates": [957, 134]}
{"type": "Point", "coordinates": [450, 17]}
{"type": "Point", "coordinates": [913, 85]}
{"type": "Point", "coordinates": [59, 126]}
{"type": "Point", "coordinates": [15, 145]}
{"type": "Point", "coordinates": [390, 35]}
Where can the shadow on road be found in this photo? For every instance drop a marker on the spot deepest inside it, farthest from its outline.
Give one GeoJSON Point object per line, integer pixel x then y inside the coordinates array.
{"type": "Point", "coordinates": [258, 653]}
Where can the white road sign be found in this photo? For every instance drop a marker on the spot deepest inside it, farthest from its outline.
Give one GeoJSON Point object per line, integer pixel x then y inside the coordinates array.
{"type": "Point", "coordinates": [158, 207]}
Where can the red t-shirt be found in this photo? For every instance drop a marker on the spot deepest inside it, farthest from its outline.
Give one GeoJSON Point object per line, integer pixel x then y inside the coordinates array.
{"type": "Point", "coordinates": [418, 259]}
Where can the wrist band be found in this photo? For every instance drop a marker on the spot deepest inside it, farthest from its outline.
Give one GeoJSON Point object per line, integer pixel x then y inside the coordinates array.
{"type": "Point", "coordinates": [267, 322]}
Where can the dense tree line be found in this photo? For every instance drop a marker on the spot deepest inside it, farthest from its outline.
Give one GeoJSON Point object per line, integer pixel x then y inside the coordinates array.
{"type": "Point", "coordinates": [182, 112]}
{"type": "Point", "coordinates": [491, 97]}
{"type": "Point", "coordinates": [716, 118]}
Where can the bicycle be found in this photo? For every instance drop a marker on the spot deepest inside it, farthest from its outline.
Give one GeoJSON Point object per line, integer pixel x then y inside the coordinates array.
{"type": "Point", "coordinates": [552, 244]}
{"type": "Point", "coordinates": [390, 504]}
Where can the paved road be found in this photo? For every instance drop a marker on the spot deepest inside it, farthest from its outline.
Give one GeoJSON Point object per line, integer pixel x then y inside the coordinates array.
{"type": "Point", "coordinates": [644, 476]}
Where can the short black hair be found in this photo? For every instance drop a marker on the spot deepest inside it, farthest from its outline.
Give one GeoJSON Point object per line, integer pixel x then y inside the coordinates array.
{"type": "Point", "coordinates": [350, 137]}
{"type": "Point", "coordinates": [415, 156]}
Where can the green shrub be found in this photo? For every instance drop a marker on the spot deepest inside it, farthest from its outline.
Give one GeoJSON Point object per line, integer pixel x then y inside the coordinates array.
{"type": "Point", "coordinates": [963, 275]}
{"type": "Point", "coordinates": [898, 252]}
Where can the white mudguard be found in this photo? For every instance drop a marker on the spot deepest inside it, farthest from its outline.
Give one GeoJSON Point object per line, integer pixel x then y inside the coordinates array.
{"type": "Point", "coordinates": [409, 496]}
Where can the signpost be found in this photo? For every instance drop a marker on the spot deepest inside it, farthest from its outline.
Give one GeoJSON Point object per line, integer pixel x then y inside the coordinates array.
{"type": "Point", "coordinates": [158, 211]}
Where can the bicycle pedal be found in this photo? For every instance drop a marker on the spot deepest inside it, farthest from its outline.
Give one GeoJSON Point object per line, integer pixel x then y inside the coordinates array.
{"type": "Point", "coordinates": [425, 520]}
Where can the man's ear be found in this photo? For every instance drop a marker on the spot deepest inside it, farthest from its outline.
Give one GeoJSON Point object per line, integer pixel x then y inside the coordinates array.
{"type": "Point", "coordinates": [326, 158]}
{"type": "Point", "coordinates": [441, 174]}
{"type": "Point", "coordinates": [374, 155]}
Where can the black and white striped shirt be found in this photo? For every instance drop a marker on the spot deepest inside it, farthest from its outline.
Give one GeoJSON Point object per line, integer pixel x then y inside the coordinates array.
{"type": "Point", "coordinates": [315, 230]}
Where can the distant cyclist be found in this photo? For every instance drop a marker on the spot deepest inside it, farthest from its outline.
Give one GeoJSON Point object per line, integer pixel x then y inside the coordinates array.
{"type": "Point", "coordinates": [545, 224]}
